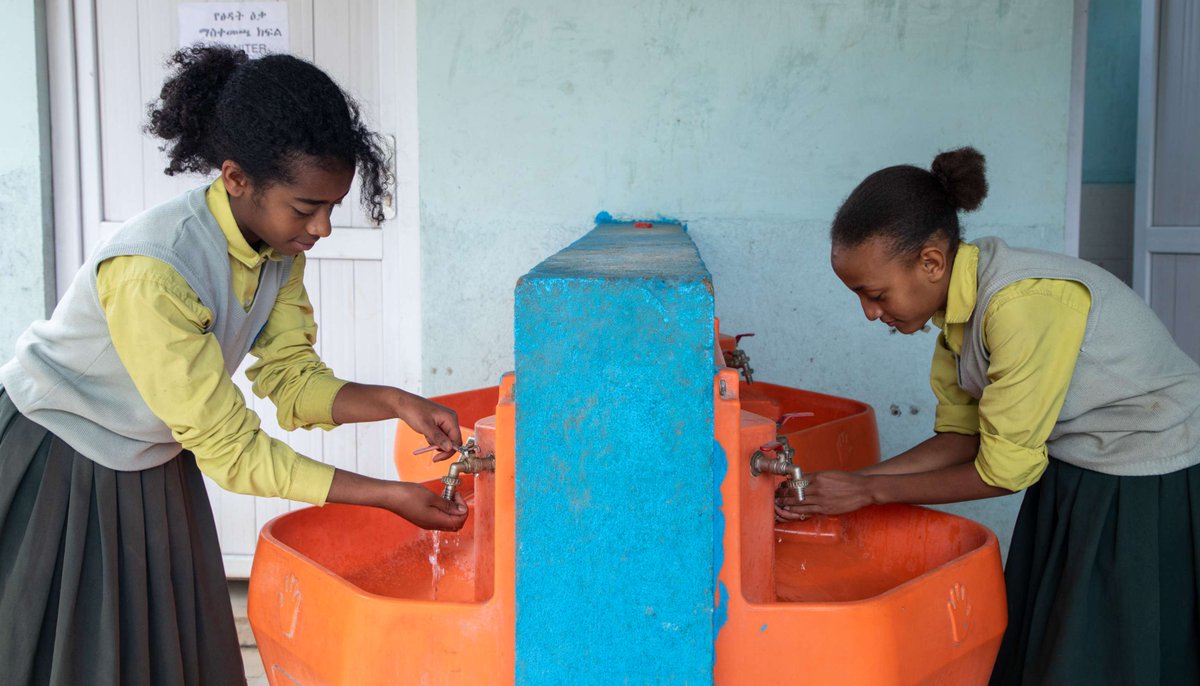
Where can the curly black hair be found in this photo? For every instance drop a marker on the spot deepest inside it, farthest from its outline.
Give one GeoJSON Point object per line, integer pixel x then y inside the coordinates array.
{"type": "Point", "coordinates": [908, 205]}
{"type": "Point", "coordinates": [219, 105]}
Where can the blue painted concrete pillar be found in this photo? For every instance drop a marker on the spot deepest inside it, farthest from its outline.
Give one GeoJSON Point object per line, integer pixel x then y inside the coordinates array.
{"type": "Point", "coordinates": [614, 476]}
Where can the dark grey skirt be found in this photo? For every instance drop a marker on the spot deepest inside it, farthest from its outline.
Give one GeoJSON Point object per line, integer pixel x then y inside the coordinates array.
{"type": "Point", "coordinates": [1102, 581]}
{"type": "Point", "coordinates": [107, 577]}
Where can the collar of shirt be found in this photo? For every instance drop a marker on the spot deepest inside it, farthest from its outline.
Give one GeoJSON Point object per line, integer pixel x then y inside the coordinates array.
{"type": "Point", "coordinates": [218, 202]}
{"type": "Point", "coordinates": [960, 300]}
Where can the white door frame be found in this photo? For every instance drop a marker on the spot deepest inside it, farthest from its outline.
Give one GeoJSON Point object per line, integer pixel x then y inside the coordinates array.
{"type": "Point", "coordinates": [75, 133]}
{"type": "Point", "coordinates": [1144, 174]}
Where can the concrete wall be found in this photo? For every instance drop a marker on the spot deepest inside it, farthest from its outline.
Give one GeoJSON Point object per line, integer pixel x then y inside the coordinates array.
{"type": "Point", "coordinates": [750, 121]}
{"type": "Point", "coordinates": [26, 231]}
{"type": "Point", "coordinates": [1110, 135]}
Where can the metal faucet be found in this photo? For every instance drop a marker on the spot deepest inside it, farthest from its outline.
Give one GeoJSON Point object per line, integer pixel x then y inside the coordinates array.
{"type": "Point", "coordinates": [738, 359]}
{"type": "Point", "coordinates": [781, 464]}
{"type": "Point", "coordinates": [468, 462]}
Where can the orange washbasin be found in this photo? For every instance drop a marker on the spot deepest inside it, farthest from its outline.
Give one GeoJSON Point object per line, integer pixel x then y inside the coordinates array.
{"type": "Point", "coordinates": [891, 595]}
{"type": "Point", "coordinates": [886, 596]}
{"type": "Point", "coordinates": [357, 595]}
{"type": "Point", "coordinates": [471, 406]}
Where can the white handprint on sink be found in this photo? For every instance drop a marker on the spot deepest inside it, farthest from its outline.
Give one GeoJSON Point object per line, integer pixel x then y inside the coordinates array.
{"type": "Point", "coordinates": [959, 608]}
{"type": "Point", "coordinates": [289, 606]}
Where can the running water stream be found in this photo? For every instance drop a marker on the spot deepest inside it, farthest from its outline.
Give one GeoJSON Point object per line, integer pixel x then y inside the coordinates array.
{"type": "Point", "coordinates": [438, 570]}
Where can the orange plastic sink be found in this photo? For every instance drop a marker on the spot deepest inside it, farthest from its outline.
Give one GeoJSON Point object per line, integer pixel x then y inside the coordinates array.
{"type": "Point", "coordinates": [892, 595]}
{"type": "Point", "coordinates": [359, 596]}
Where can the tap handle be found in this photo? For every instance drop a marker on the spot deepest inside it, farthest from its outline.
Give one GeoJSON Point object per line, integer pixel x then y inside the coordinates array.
{"type": "Point", "coordinates": [792, 415]}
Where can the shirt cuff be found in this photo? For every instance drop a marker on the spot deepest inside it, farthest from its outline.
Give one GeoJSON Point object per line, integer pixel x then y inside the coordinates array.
{"type": "Point", "coordinates": [1005, 464]}
{"type": "Point", "coordinates": [957, 419]}
{"type": "Point", "coordinates": [314, 407]}
{"type": "Point", "coordinates": [310, 481]}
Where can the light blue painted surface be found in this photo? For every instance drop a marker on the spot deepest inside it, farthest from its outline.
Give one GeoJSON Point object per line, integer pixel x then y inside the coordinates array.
{"type": "Point", "coordinates": [751, 121]}
{"type": "Point", "coordinates": [720, 470]}
{"type": "Point", "coordinates": [614, 476]}
{"type": "Point", "coordinates": [1111, 91]}
{"type": "Point", "coordinates": [26, 234]}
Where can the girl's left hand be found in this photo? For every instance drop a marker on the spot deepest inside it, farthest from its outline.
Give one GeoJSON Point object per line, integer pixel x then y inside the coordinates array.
{"type": "Point", "coordinates": [427, 509]}
{"type": "Point", "coordinates": [828, 493]}
{"type": "Point", "coordinates": [438, 423]}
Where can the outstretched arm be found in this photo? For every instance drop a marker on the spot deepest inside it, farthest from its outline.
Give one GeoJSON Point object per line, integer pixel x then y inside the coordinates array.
{"type": "Point", "coordinates": [942, 450]}
{"type": "Point", "coordinates": [839, 492]}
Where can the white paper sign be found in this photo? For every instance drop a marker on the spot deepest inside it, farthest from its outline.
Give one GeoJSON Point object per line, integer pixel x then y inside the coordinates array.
{"type": "Point", "coordinates": [258, 28]}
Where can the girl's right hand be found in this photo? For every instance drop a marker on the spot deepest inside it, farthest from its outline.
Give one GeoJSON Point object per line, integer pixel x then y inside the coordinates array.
{"type": "Point", "coordinates": [829, 493]}
{"type": "Point", "coordinates": [437, 423]}
{"type": "Point", "coordinates": [427, 509]}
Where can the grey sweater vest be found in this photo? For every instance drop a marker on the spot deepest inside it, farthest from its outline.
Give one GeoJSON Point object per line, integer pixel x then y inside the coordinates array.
{"type": "Point", "coordinates": [1133, 406]}
{"type": "Point", "coordinates": [67, 377]}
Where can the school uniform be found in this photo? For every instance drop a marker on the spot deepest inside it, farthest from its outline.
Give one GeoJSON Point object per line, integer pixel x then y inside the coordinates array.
{"type": "Point", "coordinates": [1080, 396]}
{"type": "Point", "coordinates": [110, 411]}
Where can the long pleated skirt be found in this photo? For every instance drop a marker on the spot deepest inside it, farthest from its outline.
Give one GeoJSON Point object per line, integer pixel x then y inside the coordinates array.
{"type": "Point", "coordinates": [107, 577]}
{"type": "Point", "coordinates": [1102, 581]}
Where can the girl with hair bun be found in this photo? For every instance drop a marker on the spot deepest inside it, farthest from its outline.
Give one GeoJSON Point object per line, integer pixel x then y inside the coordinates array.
{"type": "Point", "coordinates": [1052, 377]}
{"type": "Point", "coordinates": [110, 411]}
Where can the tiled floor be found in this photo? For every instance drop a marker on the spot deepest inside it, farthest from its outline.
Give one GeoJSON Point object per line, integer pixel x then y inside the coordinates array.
{"type": "Point", "coordinates": [255, 675]}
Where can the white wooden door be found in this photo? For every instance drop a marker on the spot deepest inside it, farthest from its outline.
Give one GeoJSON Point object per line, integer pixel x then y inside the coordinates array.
{"type": "Point", "coordinates": [363, 280]}
{"type": "Point", "coordinates": [1166, 260]}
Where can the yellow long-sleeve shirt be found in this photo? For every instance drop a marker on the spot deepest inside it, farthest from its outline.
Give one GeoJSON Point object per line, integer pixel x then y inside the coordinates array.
{"type": "Point", "coordinates": [1032, 330]}
{"type": "Point", "coordinates": [158, 323]}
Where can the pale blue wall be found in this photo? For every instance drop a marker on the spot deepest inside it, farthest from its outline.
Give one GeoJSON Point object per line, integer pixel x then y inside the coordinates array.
{"type": "Point", "coordinates": [1111, 91]}
{"type": "Point", "coordinates": [26, 232]}
{"type": "Point", "coordinates": [750, 121]}
{"type": "Point", "coordinates": [1110, 135]}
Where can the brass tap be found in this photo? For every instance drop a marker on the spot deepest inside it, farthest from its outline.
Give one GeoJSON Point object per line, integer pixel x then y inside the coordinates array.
{"type": "Point", "coordinates": [781, 464]}
{"type": "Point", "coordinates": [468, 462]}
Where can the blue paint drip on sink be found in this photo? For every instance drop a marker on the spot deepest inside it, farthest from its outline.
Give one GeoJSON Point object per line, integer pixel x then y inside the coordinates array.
{"type": "Point", "coordinates": [721, 612]}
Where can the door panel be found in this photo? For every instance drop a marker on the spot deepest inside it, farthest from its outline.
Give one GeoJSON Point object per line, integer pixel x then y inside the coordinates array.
{"type": "Point", "coordinates": [1166, 250]}
{"type": "Point", "coordinates": [1176, 142]}
{"type": "Point", "coordinates": [1174, 288]}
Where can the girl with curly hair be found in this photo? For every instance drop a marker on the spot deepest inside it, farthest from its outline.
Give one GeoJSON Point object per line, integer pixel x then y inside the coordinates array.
{"type": "Point", "coordinates": [110, 411]}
